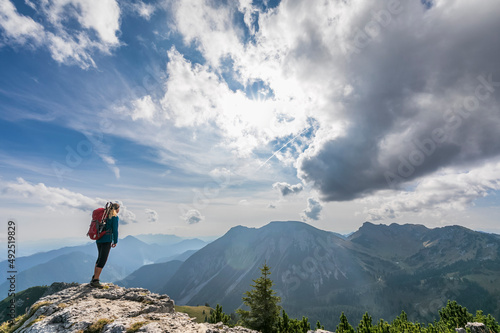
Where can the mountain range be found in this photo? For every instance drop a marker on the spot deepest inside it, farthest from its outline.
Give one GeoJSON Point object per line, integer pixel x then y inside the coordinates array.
{"type": "Point", "coordinates": [379, 269]}
{"type": "Point", "coordinates": [76, 263]}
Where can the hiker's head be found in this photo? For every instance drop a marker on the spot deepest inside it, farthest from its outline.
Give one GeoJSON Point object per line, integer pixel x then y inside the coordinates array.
{"type": "Point", "coordinates": [115, 208]}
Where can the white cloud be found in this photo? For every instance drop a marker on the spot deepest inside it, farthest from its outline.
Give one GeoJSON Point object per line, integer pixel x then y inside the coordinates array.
{"type": "Point", "coordinates": [19, 28]}
{"type": "Point", "coordinates": [198, 97]}
{"type": "Point", "coordinates": [143, 9]}
{"type": "Point", "coordinates": [221, 176]}
{"type": "Point", "coordinates": [67, 50]}
{"type": "Point", "coordinates": [152, 215]}
{"type": "Point", "coordinates": [57, 198]}
{"type": "Point", "coordinates": [312, 211]}
{"type": "Point", "coordinates": [286, 189]}
{"type": "Point", "coordinates": [246, 124]}
{"type": "Point", "coordinates": [100, 16]}
{"type": "Point", "coordinates": [447, 191]}
{"type": "Point", "coordinates": [52, 196]}
{"type": "Point", "coordinates": [193, 216]}
{"type": "Point", "coordinates": [144, 108]}
{"type": "Point", "coordinates": [209, 26]}
{"type": "Point", "coordinates": [205, 111]}
{"type": "Point", "coordinates": [67, 45]}
{"type": "Point", "coordinates": [126, 216]}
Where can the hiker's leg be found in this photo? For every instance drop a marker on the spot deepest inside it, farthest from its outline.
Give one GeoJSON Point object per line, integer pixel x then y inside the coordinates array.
{"type": "Point", "coordinates": [104, 249]}
{"type": "Point", "coordinates": [97, 272]}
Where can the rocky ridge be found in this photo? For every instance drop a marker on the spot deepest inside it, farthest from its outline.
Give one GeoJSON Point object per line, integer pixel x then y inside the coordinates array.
{"type": "Point", "coordinates": [113, 309]}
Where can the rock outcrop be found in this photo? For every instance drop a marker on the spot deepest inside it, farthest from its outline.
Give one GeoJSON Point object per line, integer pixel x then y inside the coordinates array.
{"type": "Point", "coordinates": [474, 328]}
{"type": "Point", "coordinates": [113, 309]}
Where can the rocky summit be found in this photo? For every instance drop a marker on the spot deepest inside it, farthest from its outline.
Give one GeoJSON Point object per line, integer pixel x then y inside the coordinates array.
{"type": "Point", "coordinates": [112, 309]}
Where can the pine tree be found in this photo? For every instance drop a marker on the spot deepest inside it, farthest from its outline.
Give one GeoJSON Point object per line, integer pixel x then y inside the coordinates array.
{"type": "Point", "coordinates": [365, 325]}
{"type": "Point", "coordinates": [480, 317]}
{"type": "Point", "coordinates": [454, 315]}
{"type": "Point", "coordinates": [284, 323]}
{"type": "Point", "coordinates": [492, 324]}
{"type": "Point", "coordinates": [263, 303]}
{"type": "Point", "coordinates": [305, 326]}
{"type": "Point", "coordinates": [383, 326]}
{"type": "Point", "coordinates": [344, 326]}
{"type": "Point", "coordinates": [400, 323]}
{"type": "Point", "coordinates": [218, 316]}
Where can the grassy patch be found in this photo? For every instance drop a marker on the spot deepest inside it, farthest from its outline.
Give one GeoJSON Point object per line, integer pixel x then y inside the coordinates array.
{"type": "Point", "coordinates": [98, 326]}
{"type": "Point", "coordinates": [135, 326]}
{"type": "Point", "coordinates": [20, 320]}
{"type": "Point", "coordinates": [42, 317]}
{"type": "Point", "coordinates": [6, 327]}
{"type": "Point", "coordinates": [37, 306]}
{"type": "Point", "coordinates": [197, 312]}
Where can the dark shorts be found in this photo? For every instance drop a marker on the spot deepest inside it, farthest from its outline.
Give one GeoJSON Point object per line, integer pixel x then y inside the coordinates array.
{"type": "Point", "coordinates": [102, 257]}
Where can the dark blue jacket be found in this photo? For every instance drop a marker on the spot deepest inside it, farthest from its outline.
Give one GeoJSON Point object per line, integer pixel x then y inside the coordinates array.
{"type": "Point", "coordinates": [112, 231]}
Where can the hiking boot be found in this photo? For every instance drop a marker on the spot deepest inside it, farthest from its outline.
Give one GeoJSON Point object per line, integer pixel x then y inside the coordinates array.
{"type": "Point", "coordinates": [95, 283]}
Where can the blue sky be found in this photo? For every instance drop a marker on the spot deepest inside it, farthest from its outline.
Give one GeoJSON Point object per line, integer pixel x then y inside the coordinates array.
{"type": "Point", "coordinates": [201, 115]}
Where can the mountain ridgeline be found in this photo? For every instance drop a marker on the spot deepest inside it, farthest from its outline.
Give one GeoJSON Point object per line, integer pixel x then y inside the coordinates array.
{"type": "Point", "coordinates": [380, 269]}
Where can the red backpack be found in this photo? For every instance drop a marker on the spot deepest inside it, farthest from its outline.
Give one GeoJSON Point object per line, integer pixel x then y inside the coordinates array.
{"type": "Point", "coordinates": [97, 227]}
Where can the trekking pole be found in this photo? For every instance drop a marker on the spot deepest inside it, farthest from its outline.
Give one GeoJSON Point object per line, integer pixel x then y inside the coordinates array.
{"type": "Point", "coordinates": [102, 223]}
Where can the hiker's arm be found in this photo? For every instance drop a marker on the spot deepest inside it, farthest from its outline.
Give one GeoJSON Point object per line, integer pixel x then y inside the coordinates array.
{"type": "Point", "coordinates": [115, 229]}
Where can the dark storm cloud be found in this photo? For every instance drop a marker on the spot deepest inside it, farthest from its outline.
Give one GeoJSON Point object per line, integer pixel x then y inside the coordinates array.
{"type": "Point", "coordinates": [426, 96]}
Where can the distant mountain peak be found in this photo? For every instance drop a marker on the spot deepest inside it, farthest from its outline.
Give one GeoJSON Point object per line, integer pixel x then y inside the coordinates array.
{"type": "Point", "coordinates": [131, 238]}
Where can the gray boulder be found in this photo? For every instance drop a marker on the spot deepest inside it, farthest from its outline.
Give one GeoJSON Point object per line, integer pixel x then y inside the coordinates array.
{"type": "Point", "coordinates": [476, 327]}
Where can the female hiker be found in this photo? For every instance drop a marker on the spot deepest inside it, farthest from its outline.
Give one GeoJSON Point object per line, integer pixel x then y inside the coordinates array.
{"type": "Point", "coordinates": [105, 243]}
